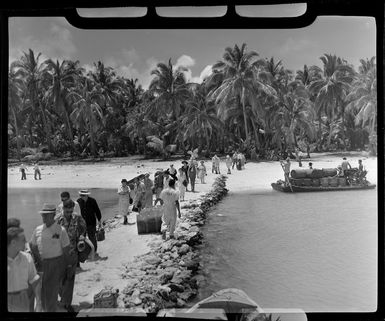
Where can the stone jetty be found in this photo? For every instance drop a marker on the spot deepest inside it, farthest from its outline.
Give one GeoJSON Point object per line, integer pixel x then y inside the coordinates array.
{"type": "Point", "coordinates": [168, 276]}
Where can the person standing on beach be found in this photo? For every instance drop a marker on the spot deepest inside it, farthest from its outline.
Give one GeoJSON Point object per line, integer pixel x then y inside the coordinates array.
{"type": "Point", "coordinates": [192, 174]}
{"type": "Point", "coordinates": [202, 172]}
{"type": "Point", "coordinates": [229, 162]}
{"type": "Point", "coordinates": [65, 196]}
{"type": "Point", "coordinates": [75, 227]}
{"type": "Point", "coordinates": [158, 182]}
{"type": "Point", "coordinates": [148, 184]}
{"type": "Point", "coordinates": [91, 213]}
{"type": "Point", "coordinates": [50, 247]}
{"type": "Point", "coordinates": [182, 181]}
{"type": "Point", "coordinates": [217, 162]}
{"type": "Point", "coordinates": [170, 199]}
{"type": "Point", "coordinates": [124, 200]}
{"type": "Point", "coordinates": [23, 169]}
{"type": "Point", "coordinates": [37, 171]}
{"type": "Point", "coordinates": [185, 169]}
{"type": "Point", "coordinates": [235, 159]}
{"type": "Point", "coordinates": [22, 274]}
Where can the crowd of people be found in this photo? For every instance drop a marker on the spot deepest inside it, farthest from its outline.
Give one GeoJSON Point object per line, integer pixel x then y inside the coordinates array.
{"type": "Point", "coordinates": [169, 187]}
{"type": "Point", "coordinates": [41, 272]}
{"type": "Point", "coordinates": [43, 269]}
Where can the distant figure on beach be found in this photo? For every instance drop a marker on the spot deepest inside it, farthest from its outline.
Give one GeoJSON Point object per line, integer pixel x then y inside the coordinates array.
{"type": "Point", "coordinates": [75, 227]}
{"type": "Point", "coordinates": [124, 200]}
{"type": "Point", "coordinates": [202, 172]}
{"type": "Point", "coordinates": [22, 274]}
{"type": "Point", "coordinates": [36, 169]}
{"type": "Point", "coordinates": [310, 165]}
{"type": "Point", "coordinates": [182, 182]}
{"type": "Point", "coordinates": [216, 164]}
{"type": "Point", "coordinates": [229, 162]}
{"type": "Point", "coordinates": [50, 247]}
{"type": "Point", "coordinates": [345, 165]}
{"type": "Point", "coordinates": [23, 169]}
{"type": "Point", "coordinates": [170, 199]}
{"type": "Point", "coordinates": [286, 169]}
{"type": "Point", "coordinates": [91, 213]}
{"type": "Point", "coordinates": [192, 174]}
{"type": "Point", "coordinates": [158, 184]}
{"type": "Point", "coordinates": [242, 159]}
{"type": "Point", "coordinates": [148, 184]}
{"type": "Point", "coordinates": [64, 196]}
{"type": "Point", "coordinates": [185, 169]}
{"type": "Point", "coordinates": [235, 159]}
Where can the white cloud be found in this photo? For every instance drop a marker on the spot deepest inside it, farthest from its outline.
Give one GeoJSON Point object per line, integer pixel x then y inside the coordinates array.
{"type": "Point", "coordinates": [185, 61]}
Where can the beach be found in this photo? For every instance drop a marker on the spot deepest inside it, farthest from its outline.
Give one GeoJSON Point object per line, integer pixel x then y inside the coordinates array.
{"type": "Point", "coordinates": [123, 243]}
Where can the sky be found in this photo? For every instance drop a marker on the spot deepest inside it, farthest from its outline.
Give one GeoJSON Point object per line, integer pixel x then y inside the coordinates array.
{"type": "Point", "coordinates": [135, 53]}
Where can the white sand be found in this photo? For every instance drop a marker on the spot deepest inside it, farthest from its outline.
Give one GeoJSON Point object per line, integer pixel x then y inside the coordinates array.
{"type": "Point", "coordinates": [123, 243]}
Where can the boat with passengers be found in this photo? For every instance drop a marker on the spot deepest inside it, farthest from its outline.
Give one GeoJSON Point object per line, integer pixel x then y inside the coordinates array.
{"type": "Point", "coordinates": [323, 180]}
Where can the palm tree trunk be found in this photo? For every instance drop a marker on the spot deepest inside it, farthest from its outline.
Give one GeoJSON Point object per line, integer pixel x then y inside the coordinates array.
{"type": "Point", "coordinates": [92, 140]}
{"type": "Point", "coordinates": [343, 124]}
{"type": "Point", "coordinates": [68, 123]}
{"type": "Point", "coordinates": [46, 127]}
{"type": "Point", "coordinates": [17, 136]}
{"type": "Point", "coordinates": [244, 114]}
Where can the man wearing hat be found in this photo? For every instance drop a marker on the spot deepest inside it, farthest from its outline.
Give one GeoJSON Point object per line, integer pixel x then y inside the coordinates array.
{"type": "Point", "coordinates": [91, 213]}
{"type": "Point", "coordinates": [148, 184]}
{"type": "Point", "coordinates": [75, 227]}
{"type": "Point", "coordinates": [50, 245]}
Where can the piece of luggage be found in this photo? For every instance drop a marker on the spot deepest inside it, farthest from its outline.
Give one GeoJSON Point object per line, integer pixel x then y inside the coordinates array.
{"type": "Point", "coordinates": [100, 234]}
{"type": "Point", "coordinates": [106, 298]}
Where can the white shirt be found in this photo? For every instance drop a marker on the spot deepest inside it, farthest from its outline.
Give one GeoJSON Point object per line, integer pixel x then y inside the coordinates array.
{"type": "Point", "coordinates": [50, 240]}
{"type": "Point", "coordinates": [169, 197]}
{"type": "Point", "coordinates": [21, 272]}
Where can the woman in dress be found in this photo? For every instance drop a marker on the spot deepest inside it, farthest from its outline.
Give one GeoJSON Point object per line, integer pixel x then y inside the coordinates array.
{"type": "Point", "coordinates": [124, 200]}
{"type": "Point", "coordinates": [148, 184]}
{"type": "Point", "coordinates": [202, 172]}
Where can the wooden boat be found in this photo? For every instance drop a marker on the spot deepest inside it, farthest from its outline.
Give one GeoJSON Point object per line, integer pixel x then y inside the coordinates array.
{"type": "Point", "coordinates": [280, 186]}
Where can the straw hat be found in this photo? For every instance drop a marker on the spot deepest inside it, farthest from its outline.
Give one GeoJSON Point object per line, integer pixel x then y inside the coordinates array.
{"type": "Point", "coordinates": [184, 162]}
{"type": "Point", "coordinates": [123, 180]}
{"type": "Point", "coordinates": [84, 192]}
{"type": "Point", "coordinates": [48, 209]}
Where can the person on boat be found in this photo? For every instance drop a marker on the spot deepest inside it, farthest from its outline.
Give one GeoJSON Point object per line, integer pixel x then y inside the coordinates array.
{"type": "Point", "coordinates": [360, 166]}
{"type": "Point", "coordinates": [124, 200]}
{"type": "Point", "coordinates": [345, 165]}
{"type": "Point", "coordinates": [310, 165]}
{"type": "Point", "coordinates": [170, 199]}
{"type": "Point", "coordinates": [286, 169]}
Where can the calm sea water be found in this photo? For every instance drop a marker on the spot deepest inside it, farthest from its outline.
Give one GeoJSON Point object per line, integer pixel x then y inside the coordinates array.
{"type": "Point", "coordinates": [313, 251]}
{"type": "Point", "coordinates": [25, 203]}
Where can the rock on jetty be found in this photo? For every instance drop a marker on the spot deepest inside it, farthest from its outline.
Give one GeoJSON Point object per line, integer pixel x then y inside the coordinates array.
{"type": "Point", "coordinates": [168, 276]}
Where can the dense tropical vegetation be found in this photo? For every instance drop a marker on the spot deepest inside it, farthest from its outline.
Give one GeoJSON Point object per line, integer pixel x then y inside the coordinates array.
{"type": "Point", "coordinates": [247, 103]}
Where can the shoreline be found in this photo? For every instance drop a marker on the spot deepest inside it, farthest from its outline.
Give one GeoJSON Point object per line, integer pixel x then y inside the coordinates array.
{"type": "Point", "coordinates": [124, 248]}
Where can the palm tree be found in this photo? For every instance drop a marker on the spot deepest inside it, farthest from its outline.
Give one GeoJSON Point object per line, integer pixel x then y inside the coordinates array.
{"type": "Point", "coordinates": [87, 114]}
{"type": "Point", "coordinates": [15, 85]}
{"type": "Point", "coordinates": [241, 79]}
{"type": "Point", "coordinates": [62, 78]}
{"type": "Point", "coordinates": [363, 99]}
{"type": "Point", "coordinates": [295, 114]}
{"type": "Point", "coordinates": [31, 70]}
{"type": "Point", "coordinates": [200, 120]}
{"type": "Point", "coordinates": [332, 88]}
{"type": "Point", "coordinates": [169, 89]}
